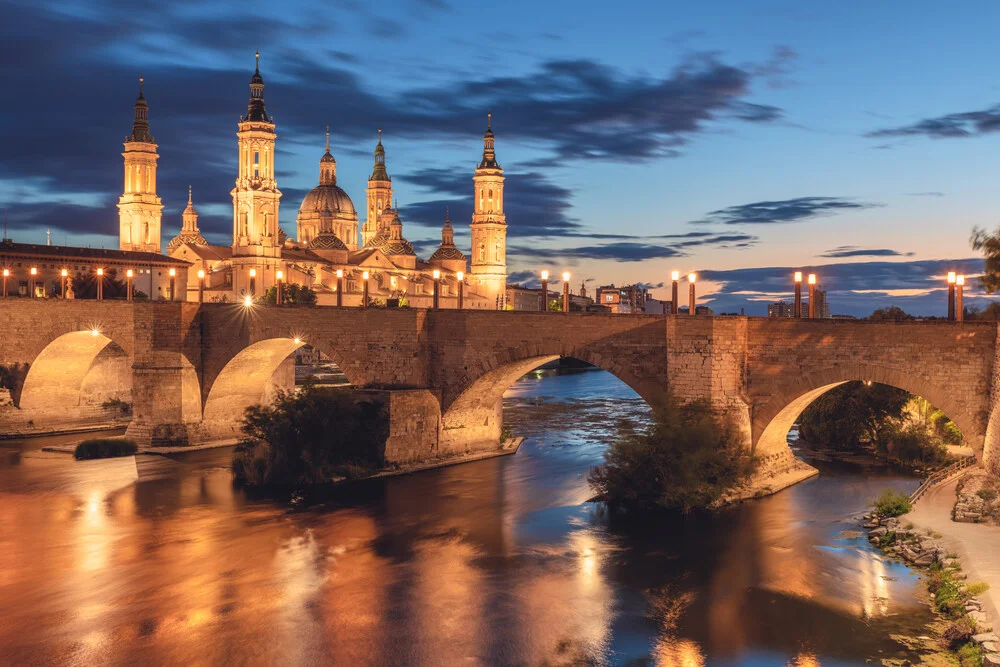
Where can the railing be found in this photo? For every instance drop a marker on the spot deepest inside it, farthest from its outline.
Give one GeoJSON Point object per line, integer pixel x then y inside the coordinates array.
{"type": "Point", "coordinates": [942, 475]}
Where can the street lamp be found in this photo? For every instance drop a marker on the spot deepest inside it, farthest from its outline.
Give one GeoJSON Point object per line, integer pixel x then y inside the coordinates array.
{"type": "Point", "coordinates": [437, 288]}
{"type": "Point", "coordinates": [959, 309]}
{"type": "Point", "coordinates": [253, 282]}
{"type": "Point", "coordinates": [247, 301]}
{"type": "Point", "coordinates": [340, 286]}
{"type": "Point", "coordinates": [674, 277]}
{"type": "Point", "coordinates": [201, 285]}
{"type": "Point", "coordinates": [6, 275]}
{"type": "Point", "coordinates": [545, 291]}
{"type": "Point", "coordinates": [692, 307]}
{"type": "Point", "coordinates": [364, 288]}
{"type": "Point", "coordinates": [128, 284]}
{"type": "Point", "coordinates": [812, 295]}
{"type": "Point", "coordinates": [951, 295]}
{"type": "Point", "coordinates": [279, 293]}
{"type": "Point", "coordinates": [34, 273]}
{"type": "Point", "coordinates": [65, 276]}
{"type": "Point", "coordinates": [173, 275]}
{"type": "Point", "coordinates": [460, 276]}
{"type": "Point", "coordinates": [798, 294]}
{"type": "Point", "coordinates": [565, 277]}
{"type": "Point", "coordinates": [100, 284]}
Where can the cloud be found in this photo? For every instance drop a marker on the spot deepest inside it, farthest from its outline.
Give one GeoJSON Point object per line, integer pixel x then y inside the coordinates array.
{"type": "Point", "coordinates": [636, 250]}
{"type": "Point", "coordinates": [948, 126]}
{"type": "Point", "coordinates": [925, 194]}
{"type": "Point", "coordinates": [856, 251]}
{"type": "Point", "coordinates": [782, 211]}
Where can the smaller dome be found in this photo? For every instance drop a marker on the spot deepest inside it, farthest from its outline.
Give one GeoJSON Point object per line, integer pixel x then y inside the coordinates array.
{"type": "Point", "coordinates": [182, 238]}
{"type": "Point", "coordinates": [399, 247]}
{"type": "Point", "coordinates": [328, 197]}
{"type": "Point", "coordinates": [448, 252]}
{"type": "Point", "coordinates": [327, 241]}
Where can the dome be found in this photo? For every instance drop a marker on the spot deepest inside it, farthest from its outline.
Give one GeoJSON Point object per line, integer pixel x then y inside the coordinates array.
{"type": "Point", "coordinates": [398, 247]}
{"type": "Point", "coordinates": [328, 197]}
{"type": "Point", "coordinates": [445, 252]}
{"type": "Point", "coordinates": [327, 241]}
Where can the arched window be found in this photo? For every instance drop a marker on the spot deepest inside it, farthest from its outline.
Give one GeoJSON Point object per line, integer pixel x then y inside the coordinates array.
{"type": "Point", "coordinates": [482, 252]}
{"type": "Point", "coordinates": [145, 232]}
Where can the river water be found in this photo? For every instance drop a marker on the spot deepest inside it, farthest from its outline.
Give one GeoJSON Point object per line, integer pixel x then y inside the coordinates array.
{"type": "Point", "coordinates": [153, 560]}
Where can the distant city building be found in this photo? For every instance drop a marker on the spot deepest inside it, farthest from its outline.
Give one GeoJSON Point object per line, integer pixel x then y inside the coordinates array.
{"type": "Point", "coordinates": [657, 307]}
{"type": "Point", "coordinates": [781, 309]}
{"type": "Point", "coordinates": [822, 305]}
{"type": "Point", "coordinates": [700, 310]}
{"type": "Point", "coordinates": [530, 298]}
{"type": "Point", "coordinates": [623, 300]}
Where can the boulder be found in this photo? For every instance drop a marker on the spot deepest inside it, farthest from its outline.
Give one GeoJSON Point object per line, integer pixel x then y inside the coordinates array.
{"type": "Point", "coordinates": [878, 532]}
{"type": "Point", "coordinates": [925, 558]}
{"type": "Point", "coordinates": [986, 637]}
{"type": "Point", "coordinates": [991, 660]}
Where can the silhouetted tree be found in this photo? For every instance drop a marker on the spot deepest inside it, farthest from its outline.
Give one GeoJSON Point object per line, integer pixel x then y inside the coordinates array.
{"type": "Point", "coordinates": [989, 245]}
{"type": "Point", "coordinates": [890, 313]}
{"type": "Point", "coordinates": [294, 295]}
{"type": "Point", "coordinates": [846, 415]}
{"type": "Point", "coordinates": [85, 286]}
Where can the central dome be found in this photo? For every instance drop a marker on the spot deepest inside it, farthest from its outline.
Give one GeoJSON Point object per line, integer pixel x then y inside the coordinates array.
{"type": "Point", "coordinates": [331, 198]}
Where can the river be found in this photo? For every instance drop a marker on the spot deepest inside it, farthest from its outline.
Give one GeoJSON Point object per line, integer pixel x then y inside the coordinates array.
{"type": "Point", "coordinates": [155, 560]}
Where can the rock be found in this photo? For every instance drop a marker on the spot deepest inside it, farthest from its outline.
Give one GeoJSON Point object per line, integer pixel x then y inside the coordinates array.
{"type": "Point", "coordinates": [925, 558]}
{"type": "Point", "coordinates": [878, 532]}
{"type": "Point", "coordinates": [986, 637]}
{"type": "Point", "coordinates": [991, 647]}
{"type": "Point", "coordinates": [870, 524]}
{"type": "Point", "coordinates": [991, 660]}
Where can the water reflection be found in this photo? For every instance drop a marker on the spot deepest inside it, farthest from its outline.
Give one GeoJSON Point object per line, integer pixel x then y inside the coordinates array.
{"type": "Point", "coordinates": [160, 561]}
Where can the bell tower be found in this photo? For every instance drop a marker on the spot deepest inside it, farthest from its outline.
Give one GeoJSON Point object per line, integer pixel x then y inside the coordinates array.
{"type": "Point", "coordinates": [378, 196]}
{"type": "Point", "coordinates": [489, 225]}
{"type": "Point", "coordinates": [139, 208]}
{"type": "Point", "coordinates": [256, 246]}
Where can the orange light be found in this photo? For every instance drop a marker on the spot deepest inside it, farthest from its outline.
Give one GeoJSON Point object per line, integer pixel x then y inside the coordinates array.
{"type": "Point", "coordinates": [95, 332]}
{"type": "Point", "coordinates": [172, 272]}
{"type": "Point", "coordinates": [960, 280]}
{"type": "Point", "coordinates": [675, 275]}
{"type": "Point", "coordinates": [64, 273]}
{"type": "Point", "coordinates": [437, 274]}
{"type": "Point", "coordinates": [247, 301]}
{"type": "Point", "coordinates": [340, 273]}
{"type": "Point", "coordinates": [280, 275]}
{"type": "Point", "coordinates": [812, 278]}
{"type": "Point", "coordinates": [297, 341]}
{"type": "Point", "coordinates": [798, 276]}
{"type": "Point", "coordinates": [565, 276]}
{"type": "Point", "coordinates": [951, 277]}
{"type": "Point", "coordinates": [201, 274]}
{"type": "Point", "coordinates": [364, 275]}
{"type": "Point", "coordinates": [6, 273]}
{"type": "Point", "coordinates": [253, 273]}
{"type": "Point", "coordinates": [129, 273]}
{"type": "Point", "coordinates": [100, 272]}
{"type": "Point", "coordinates": [460, 276]}
{"type": "Point", "coordinates": [545, 275]}
{"type": "Point", "coordinates": [34, 271]}
{"type": "Point", "coordinates": [692, 277]}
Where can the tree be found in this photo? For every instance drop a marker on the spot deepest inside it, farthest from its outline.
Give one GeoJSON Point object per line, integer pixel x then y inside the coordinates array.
{"type": "Point", "coordinates": [293, 295]}
{"type": "Point", "coordinates": [85, 287]}
{"type": "Point", "coordinates": [989, 245]}
{"type": "Point", "coordinates": [853, 412]}
{"type": "Point", "coordinates": [890, 313]}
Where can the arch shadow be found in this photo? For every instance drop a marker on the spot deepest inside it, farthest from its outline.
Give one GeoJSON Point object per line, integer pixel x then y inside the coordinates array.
{"type": "Point", "coordinates": [773, 419]}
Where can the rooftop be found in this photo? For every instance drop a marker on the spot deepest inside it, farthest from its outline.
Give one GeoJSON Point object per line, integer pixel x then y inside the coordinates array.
{"type": "Point", "coordinates": [8, 247]}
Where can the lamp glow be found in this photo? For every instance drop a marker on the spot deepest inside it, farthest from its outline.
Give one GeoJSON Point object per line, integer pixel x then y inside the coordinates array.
{"type": "Point", "coordinates": [364, 275]}
{"type": "Point", "coordinates": [100, 272]}
{"type": "Point", "coordinates": [6, 273]}
{"type": "Point", "coordinates": [34, 271]}
{"type": "Point", "coordinates": [692, 277]}
{"type": "Point", "coordinates": [951, 276]}
{"type": "Point", "coordinates": [565, 276]}
{"type": "Point", "coordinates": [201, 273]}
{"type": "Point", "coordinates": [437, 274]}
{"type": "Point", "coordinates": [960, 280]}
{"type": "Point", "coordinates": [280, 275]}
{"type": "Point", "coordinates": [545, 275]}
{"type": "Point", "coordinates": [460, 276]}
{"type": "Point", "coordinates": [675, 275]}
{"type": "Point", "coordinates": [798, 276]}
{"type": "Point", "coordinates": [129, 273]}
{"type": "Point", "coordinates": [297, 341]}
{"type": "Point", "coordinates": [340, 273]}
{"type": "Point", "coordinates": [812, 278]}
{"type": "Point", "coordinates": [247, 301]}
{"type": "Point", "coordinates": [172, 272]}
{"type": "Point", "coordinates": [64, 273]}
{"type": "Point", "coordinates": [253, 273]}
{"type": "Point", "coordinates": [95, 332]}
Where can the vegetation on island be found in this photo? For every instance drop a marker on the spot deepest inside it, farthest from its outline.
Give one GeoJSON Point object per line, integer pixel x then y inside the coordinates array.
{"type": "Point", "coordinates": [892, 503]}
{"type": "Point", "coordinates": [883, 420]}
{"type": "Point", "coordinates": [105, 448]}
{"type": "Point", "coordinates": [313, 436]}
{"type": "Point", "coordinates": [686, 460]}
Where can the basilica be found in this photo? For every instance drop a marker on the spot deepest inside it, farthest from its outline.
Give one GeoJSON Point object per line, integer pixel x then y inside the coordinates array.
{"type": "Point", "coordinates": [333, 253]}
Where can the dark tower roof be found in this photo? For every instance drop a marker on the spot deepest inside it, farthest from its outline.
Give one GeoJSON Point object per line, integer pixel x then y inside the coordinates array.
{"type": "Point", "coordinates": [379, 173]}
{"type": "Point", "coordinates": [489, 160]}
{"type": "Point", "coordinates": [140, 126]}
{"type": "Point", "coordinates": [255, 109]}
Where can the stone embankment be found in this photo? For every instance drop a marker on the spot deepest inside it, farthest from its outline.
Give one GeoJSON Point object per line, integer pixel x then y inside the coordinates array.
{"type": "Point", "coordinates": [978, 499]}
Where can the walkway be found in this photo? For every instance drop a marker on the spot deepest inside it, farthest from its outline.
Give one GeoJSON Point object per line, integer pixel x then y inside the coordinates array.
{"type": "Point", "coordinates": [977, 545]}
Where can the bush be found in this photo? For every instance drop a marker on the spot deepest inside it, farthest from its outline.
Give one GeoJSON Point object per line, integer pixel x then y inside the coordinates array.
{"type": "Point", "coordinates": [311, 437]}
{"type": "Point", "coordinates": [117, 406]}
{"type": "Point", "coordinates": [686, 460]}
{"type": "Point", "coordinates": [292, 294]}
{"type": "Point", "coordinates": [892, 503]}
{"type": "Point", "coordinates": [105, 448]}
{"type": "Point", "coordinates": [989, 495]}
{"type": "Point", "coordinates": [959, 632]}
{"type": "Point", "coordinates": [970, 655]}
{"type": "Point", "coordinates": [851, 414]}
{"type": "Point", "coordinates": [976, 588]}
{"type": "Point", "coordinates": [911, 444]}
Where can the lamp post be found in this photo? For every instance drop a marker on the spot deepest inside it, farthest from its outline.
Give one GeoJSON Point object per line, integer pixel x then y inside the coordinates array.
{"type": "Point", "coordinates": [460, 276]}
{"type": "Point", "coordinates": [545, 291]}
{"type": "Point", "coordinates": [100, 284]}
{"type": "Point", "coordinates": [798, 294]}
{"type": "Point", "coordinates": [201, 286]}
{"type": "Point", "coordinates": [565, 277]}
{"type": "Point", "coordinates": [34, 274]}
{"type": "Point", "coordinates": [173, 276]}
{"type": "Point", "coordinates": [951, 295]}
{"type": "Point", "coordinates": [959, 309]}
{"type": "Point", "coordinates": [437, 288]}
{"type": "Point", "coordinates": [340, 286]}
{"type": "Point", "coordinates": [364, 288]}
{"type": "Point", "coordinates": [65, 278]}
{"type": "Point", "coordinates": [279, 291]}
{"type": "Point", "coordinates": [128, 284]}
{"type": "Point", "coordinates": [812, 295]}
{"type": "Point", "coordinates": [6, 275]}
{"type": "Point", "coordinates": [692, 307]}
{"type": "Point", "coordinates": [253, 282]}
{"type": "Point", "coordinates": [674, 306]}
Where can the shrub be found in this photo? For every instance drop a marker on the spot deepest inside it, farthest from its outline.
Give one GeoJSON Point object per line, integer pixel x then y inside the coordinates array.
{"type": "Point", "coordinates": [976, 588]}
{"type": "Point", "coordinates": [311, 437]}
{"type": "Point", "coordinates": [686, 460]}
{"type": "Point", "coordinates": [959, 632]}
{"type": "Point", "coordinates": [892, 503]}
{"type": "Point", "coordinates": [989, 495]}
{"type": "Point", "coordinates": [104, 448]}
{"type": "Point", "coordinates": [911, 444]}
{"type": "Point", "coordinates": [117, 406]}
{"type": "Point", "coordinates": [970, 655]}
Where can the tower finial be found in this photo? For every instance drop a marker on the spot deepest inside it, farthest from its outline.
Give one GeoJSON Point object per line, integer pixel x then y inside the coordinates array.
{"type": "Point", "coordinates": [141, 79]}
{"type": "Point", "coordinates": [189, 195]}
{"type": "Point", "coordinates": [489, 119]}
{"type": "Point", "coordinates": [380, 135]}
{"type": "Point", "coordinates": [257, 63]}
{"type": "Point", "coordinates": [447, 217]}
{"type": "Point", "coordinates": [327, 138]}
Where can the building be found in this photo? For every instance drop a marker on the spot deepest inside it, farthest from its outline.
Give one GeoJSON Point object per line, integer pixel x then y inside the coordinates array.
{"type": "Point", "coordinates": [622, 300]}
{"type": "Point", "coordinates": [657, 307]}
{"type": "Point", "coordinates": [822, 305]}
{"type": "Point", "coordinates": [530, 299]}
{"type": "Point", "coordinates": [332, 250]}
{"type": "Point", "coordinates": [781, 309]}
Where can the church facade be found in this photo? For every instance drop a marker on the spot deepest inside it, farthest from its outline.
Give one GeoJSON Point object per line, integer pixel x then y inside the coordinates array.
{"type": "Point", "coordinates": [333, 253]}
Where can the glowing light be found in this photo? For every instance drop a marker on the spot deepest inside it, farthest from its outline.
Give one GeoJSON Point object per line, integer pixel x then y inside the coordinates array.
{"type": "Point", "coordinates": [172, 272]}
{"type": "Point", "coordinates": [129, 273]}
{"type": "Point", "coordinates": [675, 275]}
{"type": "Point", "coordinates": [340, 273]}
{"type": "Point", "coordinates": [100, 272]}
{"type": "Point", "coordinates": [201, 274]}
{"type": "Point", "coordinates": [253, 273]}
{"type": "Point", "coordinates": [812, 278]}
{"type": "Point", "coordinates": [460, 276]}
{"type": "Point", "coordinates": [95, 332]}
{"type": "Point", "coordinates": [960, 280]}
{"type": "Point", "coordinates": [6, 273]}
{"type": "Point", "coordinates": [364, 275]}
{"type": "Point", "coordinates": [798, 276]}
{"type": "Point", "coordinates": [64, 273]}
{"type": "Point", "coordinates": [298, 340]}
{"type": "Point", "coordinates": [692, 277]}
{"type": "Point", "coordinates": [545, 275]}
{"type": "Point", "coordinates": [565, 276]}
{"type": "Point", "coordinates": [437, 274]}
{"type": "Point", "coordinates": [247, 301]}
{"type": "Point", "coordinates": [280, 275]}
{"type": "Point", "coordinates": [34, 271]}
{"type": "Point", "coordinates": [951, 277]}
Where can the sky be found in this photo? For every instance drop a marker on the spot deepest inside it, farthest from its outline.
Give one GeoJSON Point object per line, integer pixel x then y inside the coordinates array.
{"type": "Point", "coordinates": [741, 140]}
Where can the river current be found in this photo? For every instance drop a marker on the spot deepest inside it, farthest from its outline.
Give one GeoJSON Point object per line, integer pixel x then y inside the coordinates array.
{"type": "Point", "coordinates": [156, 560]}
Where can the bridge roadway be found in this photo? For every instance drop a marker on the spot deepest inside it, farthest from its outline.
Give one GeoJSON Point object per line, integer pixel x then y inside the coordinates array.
{"type": "Point", "coordinates": [190, 369]}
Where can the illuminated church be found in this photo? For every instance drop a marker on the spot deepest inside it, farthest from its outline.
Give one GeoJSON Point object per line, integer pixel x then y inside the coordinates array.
{"type": "Point", "coordinates": [329, 237]}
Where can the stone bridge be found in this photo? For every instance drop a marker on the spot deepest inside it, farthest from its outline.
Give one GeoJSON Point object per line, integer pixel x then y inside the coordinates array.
{"type": "Point", "coordinates": [189, 370]}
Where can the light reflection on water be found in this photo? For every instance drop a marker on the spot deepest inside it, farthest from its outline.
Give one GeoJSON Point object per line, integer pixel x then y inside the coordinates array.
{"type": "Point", "coordinates": [496, 562]}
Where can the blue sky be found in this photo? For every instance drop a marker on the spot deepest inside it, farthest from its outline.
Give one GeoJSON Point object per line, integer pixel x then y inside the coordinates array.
{"type": "Point", "coordinates": [741, 140]}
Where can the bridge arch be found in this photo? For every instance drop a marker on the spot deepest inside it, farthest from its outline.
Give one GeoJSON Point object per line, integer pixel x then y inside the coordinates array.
{"type": "Point", "coordinates": [774, 418]}
{"type": "Point", "coordinates": [72, 376]}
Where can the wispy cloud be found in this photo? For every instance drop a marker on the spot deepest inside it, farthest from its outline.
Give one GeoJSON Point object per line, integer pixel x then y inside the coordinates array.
{"type": "Point", "coordinates": [856, 251]}
{"type": "Point", "coordinates": [948, 126]}
{"type": "Point", "coordinates": [783, 211]}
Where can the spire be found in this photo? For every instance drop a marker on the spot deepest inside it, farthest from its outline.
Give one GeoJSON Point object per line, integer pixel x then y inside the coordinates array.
{"type": "Point", "coordinates": [447, 232]}
{"type": "Point", "coordinates": [140, 125]}
{"type": "Point", "coordinates": [189, 195]}
{"type": "Point", "coordinates": [327, 139]}
{"type": "Point", "coordinates": [189, 217]}
{"type": "Point", "coordinates": [489, 160]}
{"type": "Point", "coordinates": [327, 165]}
{"type": "Point", "coordinates": [378, 172]}
{"type": "Point", "coordinates": [255, 109]}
